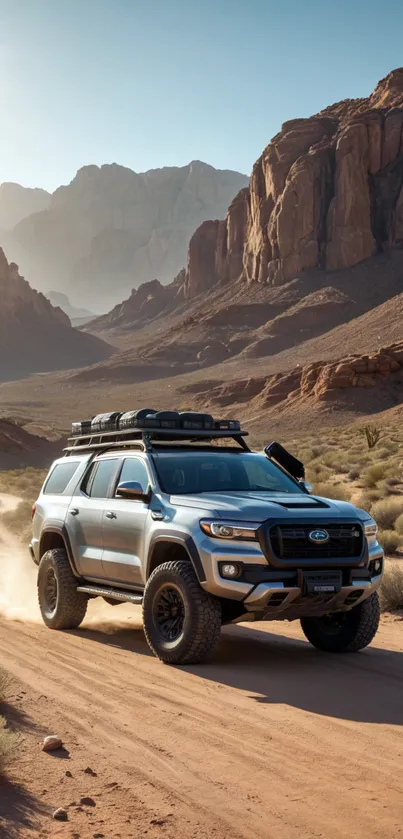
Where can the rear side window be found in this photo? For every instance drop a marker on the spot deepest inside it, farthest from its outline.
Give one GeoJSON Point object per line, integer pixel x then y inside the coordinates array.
{"type": "Point", "coordinates": [98, 480]}
{"type": "Point", "coordinates": [60, 477]}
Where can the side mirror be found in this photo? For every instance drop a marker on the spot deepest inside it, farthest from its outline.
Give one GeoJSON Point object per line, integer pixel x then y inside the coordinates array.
{"type": "Point", "coordinates": [133, 490]}
{"type": "Point", "coordinates": [308, 488]}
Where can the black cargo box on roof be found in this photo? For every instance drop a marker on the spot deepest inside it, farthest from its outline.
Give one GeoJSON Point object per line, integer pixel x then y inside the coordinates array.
{"type": "Point", "coordinates": [106, 422]}
{"type": "Point", "coordinates": [195, 420]}
{"type": "Point", "coordinates": [130, 419]}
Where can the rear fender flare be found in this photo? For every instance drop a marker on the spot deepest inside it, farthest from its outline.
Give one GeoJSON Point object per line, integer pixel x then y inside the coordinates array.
{"type": "Point", "coordinates": [60, 530]}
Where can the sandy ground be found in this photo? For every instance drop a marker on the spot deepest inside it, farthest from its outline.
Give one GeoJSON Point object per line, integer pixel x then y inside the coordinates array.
{"type": "Point", "coordinates": [272, 739]}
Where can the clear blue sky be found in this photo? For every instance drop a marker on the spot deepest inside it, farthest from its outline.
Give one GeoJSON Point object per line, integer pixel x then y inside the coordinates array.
{"type": "Point", "coordinates": [150, 83]}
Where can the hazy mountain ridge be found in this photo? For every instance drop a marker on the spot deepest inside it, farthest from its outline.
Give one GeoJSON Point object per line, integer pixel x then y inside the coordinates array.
{"type": "Point", "coordinates": [111, 229]}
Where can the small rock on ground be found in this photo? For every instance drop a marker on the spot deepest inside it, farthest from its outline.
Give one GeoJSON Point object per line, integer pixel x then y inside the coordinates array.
{"type": "Point", "coordinates": [86, 801]}
{"type": "Point", "coordinates": [51, 743]}
{"type": "Point", "coordinates": [60, 815]}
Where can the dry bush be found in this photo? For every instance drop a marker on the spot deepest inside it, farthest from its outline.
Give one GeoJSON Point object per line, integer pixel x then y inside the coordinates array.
{"type": "Point", "coordinates": [391, 591]}
{"type": "Point", "coordinates": [25, 483]}
{"type": "Point", "coordinates": [338, 492]}
{"type": "Point", "coordinates": [8, 739]}
{"type": "Point", "coordinates": [374, 474]}
{"type": "Point", "coordinates": [386, 511]}
{"type": "Point", "coordinates": [399, 524]}
{"type": "Point", "coordinates": [390, 541]}
{"type": "Point", "coordinates": [367, 499]}
{"type": "Point", "coordinates": [354, 473]}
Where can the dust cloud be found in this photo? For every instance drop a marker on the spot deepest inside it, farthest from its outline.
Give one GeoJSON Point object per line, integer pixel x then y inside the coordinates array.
{"type": "Point", "coordinates": [18, 599]}
{"type": "Point", "coordinates": [18, 596]}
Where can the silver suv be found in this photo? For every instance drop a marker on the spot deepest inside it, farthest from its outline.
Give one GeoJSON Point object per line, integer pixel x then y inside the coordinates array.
{"type": "Point", "coordinates": [201, 534]}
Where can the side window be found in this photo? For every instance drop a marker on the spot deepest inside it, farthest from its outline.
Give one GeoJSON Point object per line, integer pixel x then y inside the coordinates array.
{"type": "Point", "coordinates": [133, 469]}
{"type": "Point", "coordinates": [60, 477]}
{"type": "Point", "coordinates": [98, 480]}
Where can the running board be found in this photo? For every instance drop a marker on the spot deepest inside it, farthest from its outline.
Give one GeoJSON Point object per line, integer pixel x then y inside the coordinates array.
{"type": "Point", "coordinates": [112, 593]}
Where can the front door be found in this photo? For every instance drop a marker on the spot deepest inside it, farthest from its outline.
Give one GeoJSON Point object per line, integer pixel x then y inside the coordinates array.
{"type": "Point", "coordinates": [84, 517]}
{"type": "Point", "coordinates": [123, 528]}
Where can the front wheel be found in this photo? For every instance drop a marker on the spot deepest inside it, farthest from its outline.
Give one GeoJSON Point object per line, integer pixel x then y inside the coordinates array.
{"type": "Point", "coordinates": [344, 632]}
{"type": "Point", "coordinates": [182, 622]}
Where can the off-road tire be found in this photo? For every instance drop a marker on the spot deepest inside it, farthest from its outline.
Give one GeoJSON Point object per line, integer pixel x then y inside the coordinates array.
{"type": "Point", "coordinates": [70, 605]}
{"type": "Point", "coordinates": [202, 615]}
{"type": "Point", "coordinates": [357, 628]}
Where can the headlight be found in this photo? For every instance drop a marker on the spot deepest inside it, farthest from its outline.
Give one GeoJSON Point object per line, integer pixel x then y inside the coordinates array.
{"type": "Point", "coordinates": [370, 530]}
{"type": "Point", "coordinates": [227, 530]}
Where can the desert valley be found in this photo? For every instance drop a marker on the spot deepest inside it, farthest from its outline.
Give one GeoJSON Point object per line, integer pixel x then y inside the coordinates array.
{"type": "Point", "coordinates": [276, 300]}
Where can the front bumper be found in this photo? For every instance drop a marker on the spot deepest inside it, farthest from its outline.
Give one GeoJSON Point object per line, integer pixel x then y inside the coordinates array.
{"type": "Point", "coordinates": [273, 601]}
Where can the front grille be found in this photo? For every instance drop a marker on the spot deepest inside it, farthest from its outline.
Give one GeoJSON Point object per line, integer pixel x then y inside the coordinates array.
{"type": "Point", "coordinates": [292, 541]}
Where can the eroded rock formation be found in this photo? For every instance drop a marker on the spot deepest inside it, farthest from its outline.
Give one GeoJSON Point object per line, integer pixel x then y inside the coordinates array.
{"type": "Point", "coordinates": [327, 192]}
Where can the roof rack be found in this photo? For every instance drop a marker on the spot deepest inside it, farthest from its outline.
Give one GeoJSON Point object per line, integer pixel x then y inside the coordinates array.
{"type": "Point", "coordinates": [142, 439]}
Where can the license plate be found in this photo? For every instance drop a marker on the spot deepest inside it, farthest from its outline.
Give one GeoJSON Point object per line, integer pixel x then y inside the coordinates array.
{"type": "Point", "coordinates": [320, 582]}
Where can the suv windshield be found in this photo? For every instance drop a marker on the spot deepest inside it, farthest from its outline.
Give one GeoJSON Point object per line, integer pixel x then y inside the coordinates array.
{"type": "Point", "coordinates": [196, 472]}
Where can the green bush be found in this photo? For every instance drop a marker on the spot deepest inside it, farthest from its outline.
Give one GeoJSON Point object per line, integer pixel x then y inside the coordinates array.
{"type": "Point", "coordinates": [390, 540]}
{"type": "Point", "coordinates": [391, 591]}
{"type": "Point", "coordinates": [386, 511]}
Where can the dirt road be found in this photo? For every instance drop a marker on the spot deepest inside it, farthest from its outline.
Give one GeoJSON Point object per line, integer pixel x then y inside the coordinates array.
{"type": "Point", "coordinates": [272, 740]}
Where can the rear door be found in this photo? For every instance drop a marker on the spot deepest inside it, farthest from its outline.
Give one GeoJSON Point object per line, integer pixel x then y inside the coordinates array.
{"type": "Point", "coordinates": [84, 516]}
{"type": "Point", "coordinates": [123, 527]}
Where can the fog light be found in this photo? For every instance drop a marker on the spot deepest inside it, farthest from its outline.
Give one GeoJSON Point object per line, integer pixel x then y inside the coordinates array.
{"type": "Point", "coordinates": [230, 571]}
{"type": "Point", "coordinates": [377, 566]}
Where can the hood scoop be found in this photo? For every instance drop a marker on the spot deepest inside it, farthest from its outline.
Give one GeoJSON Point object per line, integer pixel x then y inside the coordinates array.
{"type": "Point", "coordinates": [305, 505]}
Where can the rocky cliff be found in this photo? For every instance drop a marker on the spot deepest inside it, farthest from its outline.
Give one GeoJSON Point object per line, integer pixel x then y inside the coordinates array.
{"type": "Point", "coordinates": [111, 229]}
{"type": "Point", "coordinates": [327, 192]}
{"type": "Point", "coordinates": [34, 335]}
{"type": "Point", "coordinates": [321, 381]}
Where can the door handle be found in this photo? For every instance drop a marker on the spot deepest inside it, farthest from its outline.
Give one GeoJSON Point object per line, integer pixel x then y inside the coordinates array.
{"type": "Point", "coordinates": [74, 512]}
{"type": "Point", "coordinates": [111, 515]}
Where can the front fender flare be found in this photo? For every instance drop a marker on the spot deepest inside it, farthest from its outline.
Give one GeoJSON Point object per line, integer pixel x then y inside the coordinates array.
{"type": "Point", "coordinates": [178, 538]}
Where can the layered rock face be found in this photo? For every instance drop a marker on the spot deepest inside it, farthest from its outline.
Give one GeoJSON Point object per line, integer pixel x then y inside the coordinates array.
{"type": "Point", "coordinates": [320, 381]}
{"type": "Point", "coordinates": [327, 193]}
{"type": "Point", "coordinates": [34, 335]}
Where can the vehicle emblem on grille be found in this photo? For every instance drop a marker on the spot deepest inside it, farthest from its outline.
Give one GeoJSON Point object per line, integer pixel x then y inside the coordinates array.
{"type": "Point", "coordinates": [319, 536]}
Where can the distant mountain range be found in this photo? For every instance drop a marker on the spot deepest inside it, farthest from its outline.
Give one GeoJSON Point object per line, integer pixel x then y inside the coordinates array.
{"type": "Point", "coordinates": [111, 229]}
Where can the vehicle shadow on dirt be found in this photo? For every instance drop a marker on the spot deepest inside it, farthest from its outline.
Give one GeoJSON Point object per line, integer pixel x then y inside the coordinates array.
{"type": "Point", "coordinates": [274, 669]}
{"type": "Point", "coordinates": [362, 687]}
{"type": "Point", "coordinates": [19, 810]}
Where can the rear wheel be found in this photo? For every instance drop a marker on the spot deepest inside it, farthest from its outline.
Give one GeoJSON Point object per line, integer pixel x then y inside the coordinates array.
{"type": "Point", "coordinates": [61, 605]}
{"type": "Point", "coordinates": [182, 622]}
{"type": "Point", "coordinates": [344, 632]}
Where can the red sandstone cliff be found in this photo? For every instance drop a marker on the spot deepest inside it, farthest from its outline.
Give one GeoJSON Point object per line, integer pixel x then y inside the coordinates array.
{"type": "Point", "coordinates": [327, 192]}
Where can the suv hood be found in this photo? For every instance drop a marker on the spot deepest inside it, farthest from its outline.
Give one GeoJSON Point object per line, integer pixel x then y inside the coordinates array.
{"type": "Point", "coordinates": [258, 506]}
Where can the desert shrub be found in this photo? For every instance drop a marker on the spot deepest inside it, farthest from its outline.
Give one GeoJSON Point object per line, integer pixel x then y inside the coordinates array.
{"type": "Point", "coordinates": [374, 473]}
{"type": "Point", "coordinates": [371, 434]}
{"type": "Point", "coordinates": [318, 451]}
{"type": "Point", "coordinates": [25, 483]}
{"type": "Point", "coordinates": [391, 591]}
{"type": "Point", "coordinates": [354, 473]}
{"type": "Point", "coordinates": [390, 540]}
{"type": "Point", "coordinates": [336, 461]}
{"type": "Point", "coordinates": [399, 524]}
{"type": "Point", "coordinates": [386, 511]}
{"type": "Point", "coordinates": [7, 738]}
{"type": "Point", "coordinates": [338, 492]}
